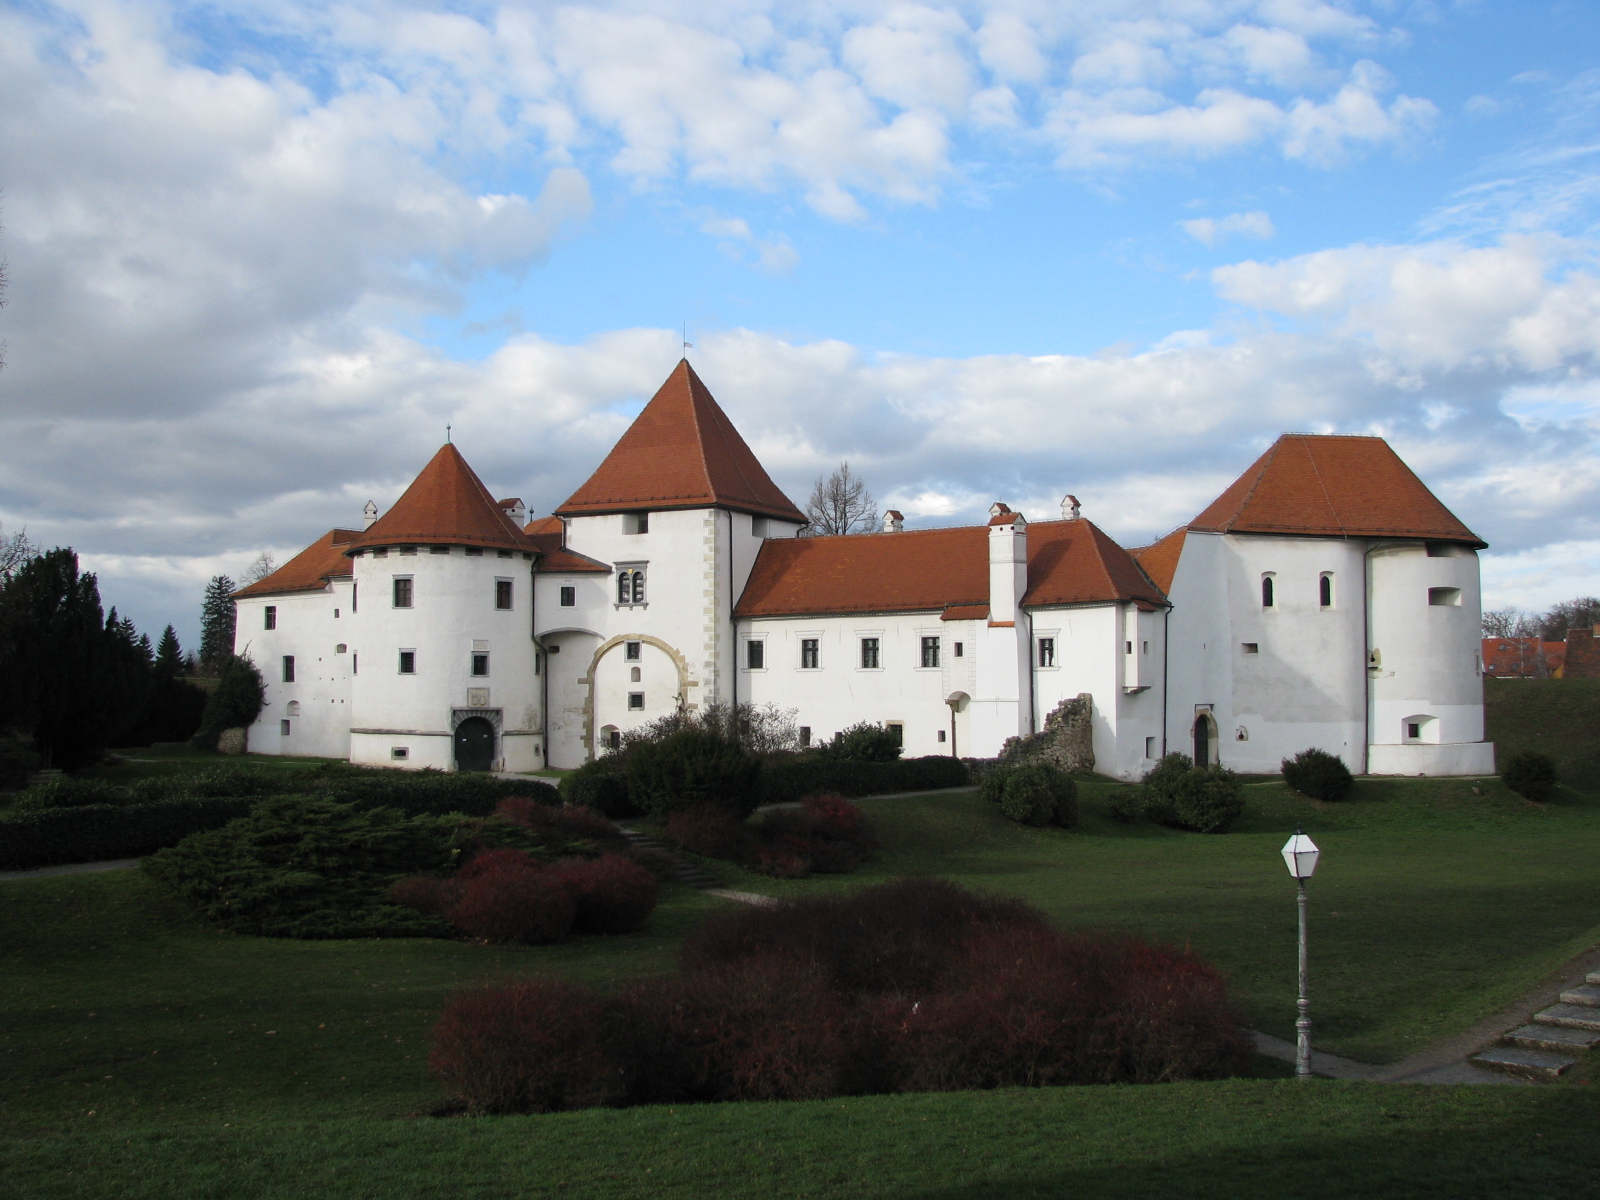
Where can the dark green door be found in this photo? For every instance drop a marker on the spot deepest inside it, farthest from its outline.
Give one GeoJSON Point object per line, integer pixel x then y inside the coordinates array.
{"type": "Point", "coordinates": [474, 745]}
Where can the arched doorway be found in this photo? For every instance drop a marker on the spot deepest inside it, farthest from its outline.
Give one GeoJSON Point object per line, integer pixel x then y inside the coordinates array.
{"type": "Point", "coordinates": [1205, 739]}
{"type": "Point", "coordinates": [474, 745]}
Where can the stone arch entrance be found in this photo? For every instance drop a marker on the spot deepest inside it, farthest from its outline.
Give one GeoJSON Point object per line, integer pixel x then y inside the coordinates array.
{"type": "Point", "coordinates": [475, 745]}
{"type": "Point", "coordinates": [1205, 739]}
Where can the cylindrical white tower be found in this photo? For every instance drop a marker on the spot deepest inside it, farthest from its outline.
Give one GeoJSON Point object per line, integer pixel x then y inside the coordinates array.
{"type": "Point", "coordinates": [1424, 667]}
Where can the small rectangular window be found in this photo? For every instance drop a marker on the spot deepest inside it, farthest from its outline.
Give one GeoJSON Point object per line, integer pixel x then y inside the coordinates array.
{"type": "Point", "coordinates": [1413, 729]}
{"type": "Point", "coordinates": [941, 735]}
{"type": "Point", "coordinates": [755, 654]}
{"type": "Point", "coordinates": [569, 597]}
{"type": "Point", "coordinates": [1144, 647]}
{"type": "Point", "coordinates": [1149, 747]}
{"type": "Point", "coordinates": [1445, 596]}
{"type": "Point", "coordinates": [402, 591]}
{"type": "Point", "coordinates": [474, 551]}
{"type": "Point", "coordinates": [899, 734]}
{"type": "Point", "coordinates": [869, 654]}
{"type": "Point", "coordinates": [283, 728]}
{"type": "Point", "coordinates": [1251, 647]}
{"type": "Point", "coordinates": [502, 554]}
{"type": "Point", "coordinates": [636, 700]}
{"type": "Point", "coordinates": [1047, 652]}
{"type": "Point", "coordinates": [930, 652]}
{"type": "Point", "coordinates": [272, 616]}
{"type": "Point", "coordinates": [438, 549]}
{"type": "Point", "coordinates": [636, 522]}
{"type": "Point", "coordinates": [381, 552]}
{"type": "Point", "coordinates": [805, 735]}
{"type": "Point", "coordinates": [1127, 647]}
{"type": "Point", "coordinates": [412, 550]}
{"type": "Point", "coordinates": [959, 649]}
{"type": "Point", "coordinates": [480, 664]}
{"type": "Point", "coordinates": [340, 648]}
{"type": "Point", "coordinates": [632, 651]}
{"type": "Point", "coordinates": [758, 527]}
{"type": "Point", "coordinates": [399, 751]}
{"type": "Point", "coordinates": [809, 657]}
{"type": "Point", "coordinates": [538, 662]}
{"type": "Point", "coordinates": [502, 593]}
{"type": "Point", "coordinates": [408, 662]}
{"type": "Point", "coordinates": [288, 668]}
{"type": "Point", "coordinates": [336, 614]}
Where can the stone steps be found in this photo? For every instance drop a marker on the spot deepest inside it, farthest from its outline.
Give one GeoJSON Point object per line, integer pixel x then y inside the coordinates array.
{"type": "Point", "coordinates": [684, 871]}
{"type": "Point", "coordinates": [1544, 1049]}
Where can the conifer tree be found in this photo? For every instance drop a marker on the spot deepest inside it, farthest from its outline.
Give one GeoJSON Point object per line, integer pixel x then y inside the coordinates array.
{"type": "Point", "coordinates": [169, 655]}
{"type": "Point", "coordinates": [216, 624]}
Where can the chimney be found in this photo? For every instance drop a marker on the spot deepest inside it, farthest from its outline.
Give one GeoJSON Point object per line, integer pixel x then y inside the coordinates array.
{"type": "Point", "coordinates": [1069, 508]}
{"type": "Point", "coordinates": [370, 512]}
{"type": "Point", "coordinates": [516, 510]}
{"type": "Point", "coordinates": [1008, 563]}
{"type": "Point", "coordinates": [893, 522]}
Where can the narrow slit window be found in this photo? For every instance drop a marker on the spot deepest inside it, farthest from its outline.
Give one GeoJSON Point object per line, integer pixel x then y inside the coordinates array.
{"type": "Point", "coordinates": [1268, 598]}
{"type": "Point", "coordinates": [958, 650]}
{"type": "Point", "coordinates": [288, 668]}
{"type": "Point", "coordinates": [1325, 590]}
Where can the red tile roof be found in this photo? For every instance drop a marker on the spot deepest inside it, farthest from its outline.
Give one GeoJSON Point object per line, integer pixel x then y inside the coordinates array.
{"type": "Point", "coordinates": [1160, 559]}
{"type": "Point", "coordinates": [310, 570]}
{"type": "Point", "coordinates": [446, 505]}
{"type": "Point", "coordinates": [681, 452]}
{"type": "Point", "coordinates": [1332, 486]}
{"type": "Point", "coordinates": [943, 570]}
{"type": "Point", "coordinates": [547, 535]}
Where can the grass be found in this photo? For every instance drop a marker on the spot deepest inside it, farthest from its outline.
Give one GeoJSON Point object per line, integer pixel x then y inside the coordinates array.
{"type": "Point", "coordinates": [142, 1054]}
{"type": "Point", "coordinates": [1559, 717]}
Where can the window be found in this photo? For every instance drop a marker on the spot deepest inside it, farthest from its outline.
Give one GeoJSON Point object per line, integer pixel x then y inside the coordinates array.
{"type": "Point", "coordinates": [1413, 729]}
{"type": "Point", "coordinates": [630, 586]}
{"type": "Point", "coordinates": [293, 710]}
{"type": "Point", "coordinates": [340, 648]}
{"type": "Point", "coordinates": [959, 648]}
{"type": "Point", "coordinates": [336, 614]}
{"type": "Point", "coordinates": [1268, 600]}
{"type": "Point", "coordinates": [758, 527]}
{"type": "Point", "coordinates": [805, 735]}
{"type": "Point", "coordinates": [401, 752]}
{"type": "Point", "coordinates": [381, 552]}
{"type": "Point", "coordinates": [755, 654]}
{"type": "Point", "coordinates": [1047, 652]}
{"type": "Point", "coordinates": [1127, 647]}
{"type": "Point", "coordinates": [355, 664]}
{"type": "Point", "coordinates": [1440, 550]}
{"type": "Point", "coordinates": [1325, 590]}
{"type": "Point", "coordinates": [538, 662]}
{"type": "Point", "coordinates": [480, 664]}
{"type": "Point", "coordinates": [402, 591]}
{"type": "Point", "coordinates": [636, 700]}
{"type": "Point", "coordinates": [869, 654]}
{"type": "Point", "coordinates": [1445, 596]}
{"type": "Point", "coordinates": [408, 662]}
{"type": "Point", "coordinates": [808, 654]}
{"type": "Point", "coordinates": [288, 668]}
{"type": "Point", "coordinates": [502, 593]}
{"type": "Point", "coordinates": [1250, 647]}
{"type": "Point", "coordinates": [438, 549]}
{"type": "Point", "coordinates": [635, 675]}
{"type": "Point", "coordinates": [898, 732]}
{"type": "Point", "coordinates": [1144, 647]}
{"type": "Point", "coordinates": [272, 616]}
{"type": "Point", "coordinates": [636, 522]}
{"type": "Point", "coordinates": [411, 550]}
{"type": "Point", "coordinates": [930, 652]}
{"type": "Point", "coordinates": [1149, 747]}
{"type": "Point", "coordinates": [632, 651]}
{"type": "Point", "coordinates": [941, 735]}
{"type": "Point", "coordinates": [569, 597]}
{"type": "Point", "coordinates": [353, 587]}
{"type": "Point", "coordinates": [502, 554]}
{"type": "Point", "coordinates": [283, 729]}
{"type": "Point", "coordinates": [474, 551]}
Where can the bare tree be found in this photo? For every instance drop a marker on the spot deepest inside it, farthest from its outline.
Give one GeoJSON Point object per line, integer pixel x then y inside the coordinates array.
{"type": "Point", "coordinates": [15, 550]}
{"type": "Point", "coordinates": [263, 566]}
{"type": "Point", "coordinates": [1580, 613]}
{"type": "Point", "coordinates": [840, 503]}
{"type": "Point", "coordinates": [1509, 622]}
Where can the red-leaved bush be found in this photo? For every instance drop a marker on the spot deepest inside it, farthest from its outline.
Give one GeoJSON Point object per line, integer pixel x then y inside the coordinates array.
{"type": "Point", "coordinates": [612, 894]}
{"type": "Point", "coordinates": [569, 822]}
{"type": "Point", "coordinates": [426, 893]}
{"type": "Point", "coordinates": [835, 819]}
{"type": "Point", "coordinates": [509, 896]}
{"type": "Point", "coordinates": [530, 1047]}
{"type": "Point", "coordinates": [708, 830]}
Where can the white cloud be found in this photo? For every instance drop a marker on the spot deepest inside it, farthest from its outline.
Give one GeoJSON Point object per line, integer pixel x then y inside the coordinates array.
{"type": "Point", "coordinates": [1212, 231]}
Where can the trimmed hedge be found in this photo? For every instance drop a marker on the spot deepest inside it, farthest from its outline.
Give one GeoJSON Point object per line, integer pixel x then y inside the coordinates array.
{"type": "Point", "coordinates": [96, 832]}
{"type": "Point", "coordinates": [785, 781]}
{"type": "Point", "coordinates": [433, 793]}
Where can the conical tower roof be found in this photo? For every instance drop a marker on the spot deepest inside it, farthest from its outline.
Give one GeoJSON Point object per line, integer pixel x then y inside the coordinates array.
{"type": "Point", "coordinates": [446, 505]}
{"type": "Point", "coordinates": [681, 452]}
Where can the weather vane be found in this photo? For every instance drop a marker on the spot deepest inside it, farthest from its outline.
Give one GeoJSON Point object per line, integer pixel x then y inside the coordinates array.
{"type": "Point", "coordinates": [687, 344]}
{"type": "Point", "coordinates": [447, 433]}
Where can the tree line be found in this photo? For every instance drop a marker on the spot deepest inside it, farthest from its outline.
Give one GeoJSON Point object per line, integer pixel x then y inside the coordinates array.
{"type": "Point", "coordinates": [76, 680]}
{"type": "Point", "coordinates": [1580, 613]}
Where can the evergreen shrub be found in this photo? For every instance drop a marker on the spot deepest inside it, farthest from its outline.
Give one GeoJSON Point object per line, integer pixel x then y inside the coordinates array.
{"type": "Point", "coordinates": [235, 702]}
{"type": "Point", "coordinates": [100, 832]}
{"type": "Point", "coordinates": [692, 768]}
{"type": "Point", "coordinates": [864, 742]}
{"type": "Point", "coordinates": [787, 778]}
{"type": "Point", "coordinates": [1318, 774]}
{"type": "Point", "coordinates": [1126, 805]}
{"type": "Point", "coordinates": [1530, 774]}
{"type": "Point", "coordinates": [1039, 794]}
{"type": "Point", "coordinates": [1201, 799]}
{"type": "Point", "coordinates": [601, 785]}
{"type": "Point", "coordinates": [540, 1046]}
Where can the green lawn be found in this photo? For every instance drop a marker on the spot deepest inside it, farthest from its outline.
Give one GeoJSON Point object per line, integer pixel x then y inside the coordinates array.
{"type": "Point", "coordinates": [1558, 717]}
{"type": "Point", "coordinates": [144, 1055]}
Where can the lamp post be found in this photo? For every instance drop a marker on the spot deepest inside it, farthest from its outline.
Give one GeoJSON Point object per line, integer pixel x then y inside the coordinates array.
{"type": "Point", "coordinates": [1300, 853]}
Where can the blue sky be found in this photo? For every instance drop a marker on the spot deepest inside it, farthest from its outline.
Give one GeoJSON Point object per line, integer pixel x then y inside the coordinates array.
{"type": "Point", "coordinates": [260, 255]}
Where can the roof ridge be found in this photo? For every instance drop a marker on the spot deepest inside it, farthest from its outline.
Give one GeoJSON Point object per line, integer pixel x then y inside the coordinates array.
{"type": "Point", "coordinates": [1316, 470]}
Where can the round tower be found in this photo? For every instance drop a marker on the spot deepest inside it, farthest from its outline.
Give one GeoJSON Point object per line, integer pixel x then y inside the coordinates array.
{"type": "Point", "coordinates": [445, 669]}
{"type": "Point", "coordinates": [1424, 666]}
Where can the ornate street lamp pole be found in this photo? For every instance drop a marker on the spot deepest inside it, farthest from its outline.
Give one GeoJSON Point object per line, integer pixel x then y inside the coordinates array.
{"type": "Point", "coordinates": [1301, 853]}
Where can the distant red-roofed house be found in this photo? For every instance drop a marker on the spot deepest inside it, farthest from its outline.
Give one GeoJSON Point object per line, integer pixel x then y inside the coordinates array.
{"type": "Point", "coordinates": [1523, 658]}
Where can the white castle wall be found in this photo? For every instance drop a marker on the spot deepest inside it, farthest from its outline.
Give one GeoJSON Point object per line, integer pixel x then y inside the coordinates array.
{"type": "Point", "coordinates": [311, 626]}
{"type": "Point", "coordinates": [453, 612]}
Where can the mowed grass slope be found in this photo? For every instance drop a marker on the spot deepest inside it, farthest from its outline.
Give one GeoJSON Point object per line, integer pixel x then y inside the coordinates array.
{"type": "Point", "coordinates": [215, 1065]}
{"type": "Point", "coordinates": [1558, 717]}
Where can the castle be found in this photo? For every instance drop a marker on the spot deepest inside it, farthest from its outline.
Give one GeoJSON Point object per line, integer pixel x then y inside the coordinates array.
{"type": "Point", "coordinates": [1326, 599]}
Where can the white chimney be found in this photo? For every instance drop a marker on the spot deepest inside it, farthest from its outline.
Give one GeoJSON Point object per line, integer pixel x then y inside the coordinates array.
{"type": "Point", "coordinates": [1008, 563]}
{"type": "Point", "coordinates": [1069, 508]}
{"type": "Point", "coordinates": [516, 510]}
{"type": "Point", "coordinates": [370, 512]}
{"type": "Point", "coordinates": [893, 522]}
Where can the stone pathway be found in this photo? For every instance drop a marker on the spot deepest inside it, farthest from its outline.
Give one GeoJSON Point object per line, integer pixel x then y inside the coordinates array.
{"type": "Point", "coordinates": [114, 864]}
{"type": "Point", "coordinates": [1545, 1048]}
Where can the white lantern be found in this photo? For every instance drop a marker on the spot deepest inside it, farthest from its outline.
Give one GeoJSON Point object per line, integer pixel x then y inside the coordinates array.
{"type": "Point", "coordinates": [1300, 853]}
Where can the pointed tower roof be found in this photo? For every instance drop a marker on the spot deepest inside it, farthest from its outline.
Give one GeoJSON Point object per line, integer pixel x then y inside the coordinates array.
{"type": "Point", "coordinates": [446, 505]}
{"type": "Point", "coordinates": [681, 452]}
{"type": "Point", "coordinates": [1323, 485]}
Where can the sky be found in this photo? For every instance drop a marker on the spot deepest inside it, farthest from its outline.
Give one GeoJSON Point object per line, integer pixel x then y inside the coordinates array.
{"type": "Point", "coordinates": [260, 255]}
